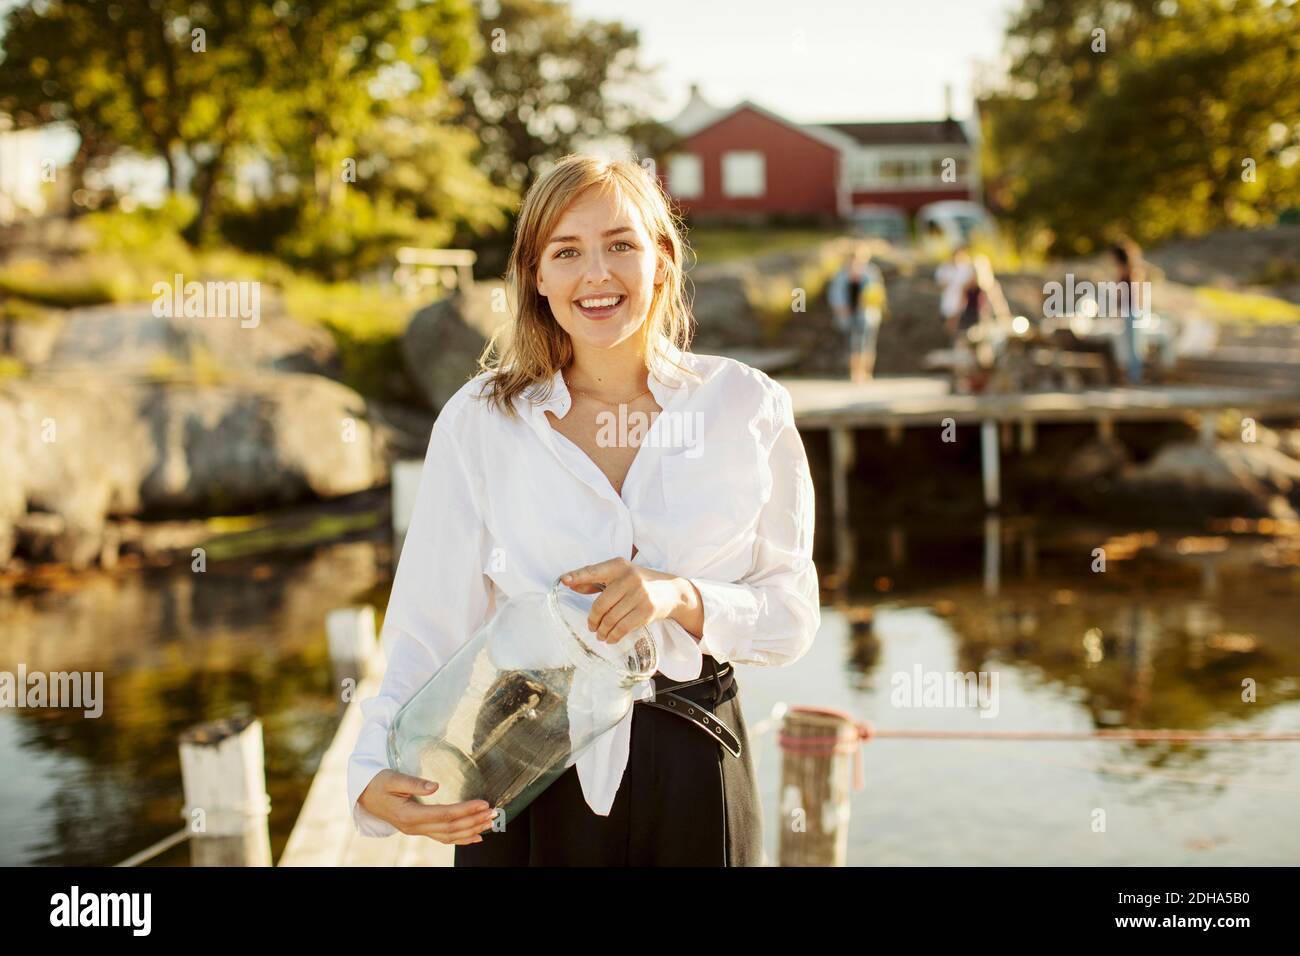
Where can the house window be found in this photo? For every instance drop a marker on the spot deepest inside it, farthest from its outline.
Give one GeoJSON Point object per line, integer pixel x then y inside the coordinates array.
{"type": "Point", "coordinates": [743, 174]}
{"type": "Point", "coordinates": [685, 176]}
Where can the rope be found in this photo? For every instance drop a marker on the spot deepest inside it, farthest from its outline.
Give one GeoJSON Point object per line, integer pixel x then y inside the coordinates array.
{"type": "Point", "coordinates": [166, 843]}
{"type": "Point", "coordinates": [855, 732]}
{"type": "Point", "coordinates": [865, 731]}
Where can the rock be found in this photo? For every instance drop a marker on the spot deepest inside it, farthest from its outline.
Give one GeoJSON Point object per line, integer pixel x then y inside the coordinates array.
{"type": "Point", "coordinates": [1098, 460]}
{"type": "Point", "coordinates": [31, 339]}
{"type": "Point", "coordinates": [81, 452]}
{"type": "Point", "coordinates": [1256, 478]}
{"type": "Point", "coordinates": [46, 537]}
{"type": "Point", "coordinates": [721, 302]}
{"type": "Point", "coordinates": [1233, 258]}
{"type": "Point", "coordinates": [443, 341]}
{"type": "Point", "coordinates": [129, 341]}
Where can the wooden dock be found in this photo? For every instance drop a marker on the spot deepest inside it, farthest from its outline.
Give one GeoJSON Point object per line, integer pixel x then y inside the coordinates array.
{"type": "Point", "coordinates": [323, 834]}
{"type": "Point", "coordinates": [925, 401]}
{"type": "Point", "coordinates": [894, 404]}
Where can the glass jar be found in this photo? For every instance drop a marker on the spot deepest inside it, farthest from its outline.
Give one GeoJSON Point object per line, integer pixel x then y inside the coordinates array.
{"type": "Point", "coordinates": [519, 703]}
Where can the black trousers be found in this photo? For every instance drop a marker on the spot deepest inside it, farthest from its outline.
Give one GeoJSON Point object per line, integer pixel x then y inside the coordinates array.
{"type": "Point", "coordinates": [684, 800]}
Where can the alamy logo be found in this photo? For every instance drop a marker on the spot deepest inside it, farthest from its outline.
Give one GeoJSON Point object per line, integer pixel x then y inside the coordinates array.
{"type": "Point", "coordinates": [634, 429]}
{"type": "Point", "coordinates": [78, 690]}
{"type": "Point", "coordinates": [208, 300]}
{"type": "Point", "coordinates": [1105, 300]}
{"type": "Point", "coordinates": [941, 689]}
{"type": "Point", "coordinates": [102, 909]}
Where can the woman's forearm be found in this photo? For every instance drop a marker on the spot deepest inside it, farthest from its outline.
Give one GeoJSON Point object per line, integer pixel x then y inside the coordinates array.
{"type": "Point", "coordinates": [689, 612]}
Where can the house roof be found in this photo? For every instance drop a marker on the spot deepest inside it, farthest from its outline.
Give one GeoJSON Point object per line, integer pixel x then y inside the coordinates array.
{"type": "Point", "coordinates": [912, 133]}
{"type": "Point", "coordinates": [698, 115]}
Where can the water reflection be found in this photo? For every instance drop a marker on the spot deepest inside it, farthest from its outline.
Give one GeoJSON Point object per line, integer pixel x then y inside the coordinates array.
{"type": "Point", "coordinates": [1162, 638]}
{"type": "Point", "coordinates": [1171, 631]}
{"type": "Point", "coordinates": [176, 648]}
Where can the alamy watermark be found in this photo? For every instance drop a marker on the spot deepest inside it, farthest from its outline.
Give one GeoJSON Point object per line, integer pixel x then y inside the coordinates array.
{"type": "Point", "coordinates": [179, 299]}
{"type": "Point", "coordinates": [76, 690]}
{"type": "Point", "coordinates": [633, 429]}
{"type": "Point", "coordinates": [1110, 300]}
{"type": "Point", "coordinates": [940, 689]}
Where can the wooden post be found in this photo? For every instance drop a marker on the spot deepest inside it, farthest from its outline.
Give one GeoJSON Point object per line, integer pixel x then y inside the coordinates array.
{"type": "Point", "coordinates": [1026, 435]}
{"type": "Point", "coordinates": [989, 463]}
{"type": "Point", "coordinates": [1209, 434]}
{"type": "Point", "coordinates": [351, 634]}
{"type": "Point", "coordinates": [405, 481]}
{"type": "Point", "coordinates": [841, 465]}
{"type": "Point", "coordinates": [818, 747]}
{"type": "Point", "coordinates": [1106, 428]}
{"type": "Point", "coordinates": [894, 433]}
{"type": "Point", "coordinates": [992, 554]}
{"type": "Point", "coordinates": [223, 775]}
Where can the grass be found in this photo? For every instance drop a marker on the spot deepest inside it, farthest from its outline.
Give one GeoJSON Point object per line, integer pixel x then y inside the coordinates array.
{"type": "Point", "coordinates": [261, 536]}
{"type": "Point", "coordinates": [366, 321]}
{"type": "Point", "coordinates": [1247, 306]}
{"type": "Point", "coordinates": [723, 243]}
{"type": "Point", "coordinates": [37, 283]}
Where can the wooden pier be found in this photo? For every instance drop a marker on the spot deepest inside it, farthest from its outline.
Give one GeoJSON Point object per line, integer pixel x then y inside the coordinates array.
{"type": "Point", "coordinates": [894, 404]}
{"type": "Point", "coordinates": [323, 834]}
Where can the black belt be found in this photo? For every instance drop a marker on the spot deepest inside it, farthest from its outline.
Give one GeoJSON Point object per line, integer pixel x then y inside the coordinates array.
{"type": "Point", "coordinates": [692, 700]}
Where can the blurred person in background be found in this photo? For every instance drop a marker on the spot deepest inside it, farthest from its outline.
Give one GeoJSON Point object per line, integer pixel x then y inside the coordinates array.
{"type": "Point", "coordinates": [857, 298]}
{"type": "Point", "coordinates": [1130, 272]}
{"type": "Point", "coordinates": [970, 292]}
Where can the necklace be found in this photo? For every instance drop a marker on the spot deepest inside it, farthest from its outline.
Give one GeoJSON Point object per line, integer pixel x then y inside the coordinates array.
{"type": "Point", "coordinates": [583, 391]}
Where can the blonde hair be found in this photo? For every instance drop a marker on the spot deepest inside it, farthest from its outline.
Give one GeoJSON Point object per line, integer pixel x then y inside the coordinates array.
{"type": "Point", "coordinates": [531, 348]}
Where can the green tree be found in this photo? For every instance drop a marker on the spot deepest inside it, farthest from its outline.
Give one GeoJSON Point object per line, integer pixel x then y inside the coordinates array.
{"type": "Point", "coordinates": [297, 85]}
{"type": "Point", "coordinates": [1151, 118]}
{"type": "Point", "coordinates": [546, 82]}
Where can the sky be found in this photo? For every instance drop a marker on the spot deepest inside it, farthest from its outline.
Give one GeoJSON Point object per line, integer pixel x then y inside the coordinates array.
{"type": "Point", "coordinates": [815, 60]}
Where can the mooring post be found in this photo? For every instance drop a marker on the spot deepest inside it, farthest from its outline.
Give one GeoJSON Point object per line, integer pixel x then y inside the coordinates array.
{"type": "Point", "coordinates": [841, 466]}
{"type": "Point", "coordinates": [405, 481]}
{"type": "Point", "coordinates": [223, 776]}
{"type": "Point", "coordinates": [352, 643]}
{"type": "Point", "coordinates": [819, 748]}
{"type": "Point", "coordinates": [1209, 434]}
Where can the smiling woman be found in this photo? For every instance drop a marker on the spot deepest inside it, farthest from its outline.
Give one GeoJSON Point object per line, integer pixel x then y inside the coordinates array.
{"type": "Point", "coordinates": [567, 457]}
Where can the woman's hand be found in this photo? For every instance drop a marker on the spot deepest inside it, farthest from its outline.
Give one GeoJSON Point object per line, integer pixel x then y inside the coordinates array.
{"type": "Point", "coordinates": [390, 796]}
{"type": "Point", "coordinates": [634, 596]}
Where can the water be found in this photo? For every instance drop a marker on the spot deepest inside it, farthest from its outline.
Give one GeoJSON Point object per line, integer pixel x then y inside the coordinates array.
{"type": "Point", "coordinates": [1163, 638]}
{"type": "Point", "coordinates": [176, 648]}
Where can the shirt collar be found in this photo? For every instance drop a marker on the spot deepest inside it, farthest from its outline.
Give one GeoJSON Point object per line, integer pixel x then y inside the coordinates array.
{"type": "Point", "coordinates": [665, 380]}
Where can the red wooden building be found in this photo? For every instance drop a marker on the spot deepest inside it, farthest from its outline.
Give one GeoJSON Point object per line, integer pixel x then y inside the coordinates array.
{"type": "Point", "coordinates": [749, 163]}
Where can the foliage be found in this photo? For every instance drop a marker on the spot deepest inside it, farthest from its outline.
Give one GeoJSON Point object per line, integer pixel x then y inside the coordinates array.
{"type": "Point", "coordinates": [1152, 136]}
{"type": "Point", "coordinates": [307, 93]}
{"type": "Point", "coordinates": [723, 243]}
{"type": "Point", "coordinates": [37, 282]}
{"type": "Point", "coordinates": [548, 81]}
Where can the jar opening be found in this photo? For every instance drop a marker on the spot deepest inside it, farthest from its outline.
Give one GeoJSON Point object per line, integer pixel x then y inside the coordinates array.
{"type": "Point", "coordinates": [632, 660]}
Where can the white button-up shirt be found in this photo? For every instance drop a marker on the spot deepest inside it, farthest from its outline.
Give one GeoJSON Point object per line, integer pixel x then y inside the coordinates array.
{"type": "Point", "coordinates": [719, 493]}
